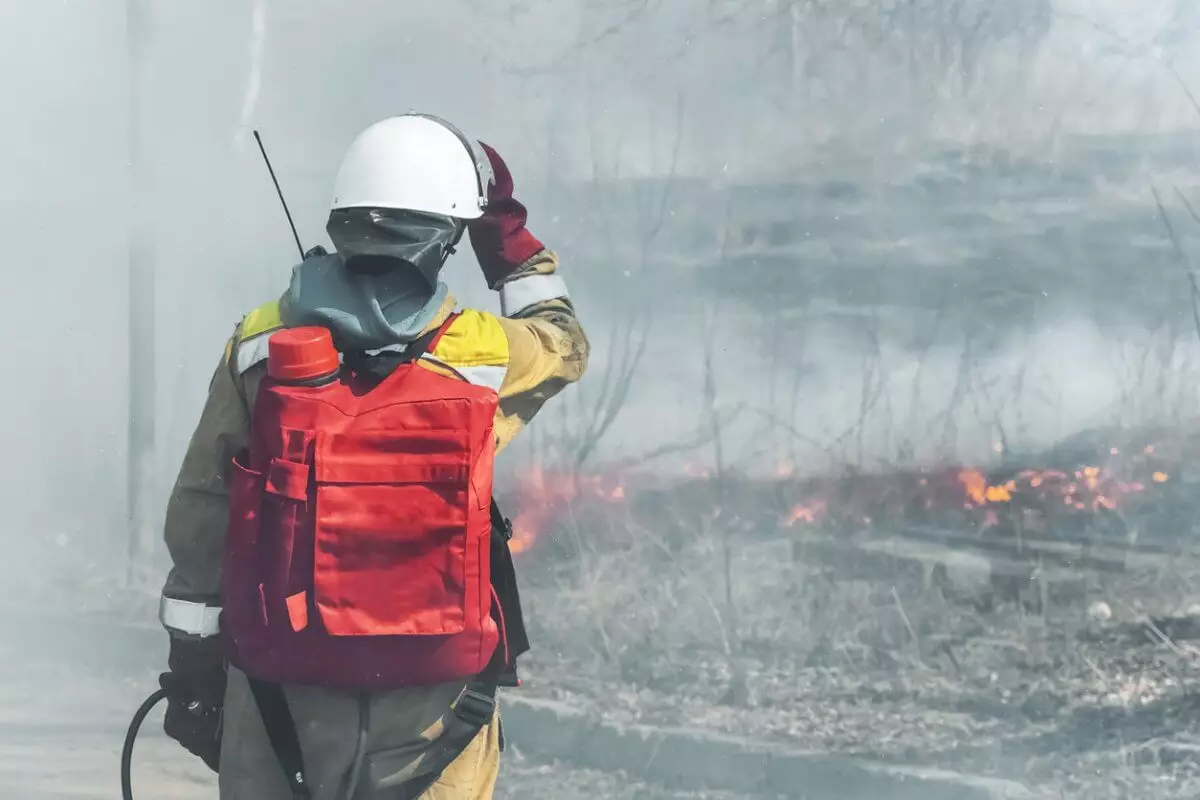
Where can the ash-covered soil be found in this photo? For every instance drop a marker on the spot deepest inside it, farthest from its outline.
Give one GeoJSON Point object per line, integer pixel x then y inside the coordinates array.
{"type": "Point", "coordinates": [1073, 702]}
{"type": "Point", "coordinates": [697, 608]}
{"type": "Point", "coordinates": [1096, 696]}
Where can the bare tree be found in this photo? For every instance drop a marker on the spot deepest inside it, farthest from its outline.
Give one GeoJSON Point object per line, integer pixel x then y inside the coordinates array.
{"type": "Point", "coordinates": [604, 399]}
{"type": "Point", "coordinates": [140, 447]}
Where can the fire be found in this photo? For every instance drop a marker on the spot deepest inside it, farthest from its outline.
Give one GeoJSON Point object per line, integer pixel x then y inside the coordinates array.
{"type": "Point", "coordinates": [975, 485]}
{"type": "Point", "coordinates": [1091, 487]}
{"type": "Point", "coordinates": [999, 494]}
{"type": "Point", "coordinates": [978, 491]}
{"type": "Point", "coordinates": [806, 513]}
{"type": "Point", "coordinates": [544, 498]}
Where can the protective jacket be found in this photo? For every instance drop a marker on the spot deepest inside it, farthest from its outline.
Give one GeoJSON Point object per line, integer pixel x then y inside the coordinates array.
{"type": "Point", "coordinates": [510, 365]}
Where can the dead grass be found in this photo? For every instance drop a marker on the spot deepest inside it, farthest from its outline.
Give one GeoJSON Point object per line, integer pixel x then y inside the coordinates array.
{"type": "Point", "coordinates": [631, 620]}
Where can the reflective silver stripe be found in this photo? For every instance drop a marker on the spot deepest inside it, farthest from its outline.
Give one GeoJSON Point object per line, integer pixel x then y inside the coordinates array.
{"type": "Point", "coordinates": [518, 295]}
{"type": "Point", "coordinates": [252, 351]}
{"type": "Point", "coordinates": [188, 618]}
{"type": "Point", "coordinates": [489, 375]}
{"type": "Point", "coordinates": [391, 348]}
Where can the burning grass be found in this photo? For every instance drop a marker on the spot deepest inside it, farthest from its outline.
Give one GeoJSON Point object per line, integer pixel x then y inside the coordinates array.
{"type": "Point", "coordinates": [748, 605]}
{"type": "Point", "coordinates": [1116, 482]}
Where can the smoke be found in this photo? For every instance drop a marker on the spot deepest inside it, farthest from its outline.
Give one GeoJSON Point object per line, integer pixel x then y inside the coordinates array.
{"type": "Point", "coordinates": [581, 101]}
{"type": "Point", "coordinates": [968, 266]}
{"type": "Point", "coordinates": [842, 398]}
{"type": "Point", "coordinates": [258, 35]}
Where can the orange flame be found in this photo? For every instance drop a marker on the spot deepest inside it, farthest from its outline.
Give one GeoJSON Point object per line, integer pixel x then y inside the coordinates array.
{"type": "Point", "coordinates": [547, 497]}
{"type": "Point", "coordinates": [544, 496]}
{"type": "Point", "coordinates": [975, 485]}
{"type": "Point", "coordinates": [806, 513]}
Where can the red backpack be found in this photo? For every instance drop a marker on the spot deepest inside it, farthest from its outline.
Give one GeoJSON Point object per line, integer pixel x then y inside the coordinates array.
{"type": "Point", "coordinates": [360, 544]}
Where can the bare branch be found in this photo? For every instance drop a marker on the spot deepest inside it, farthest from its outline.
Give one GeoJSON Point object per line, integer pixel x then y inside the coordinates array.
{"type": "Point", "coordinates": [1183, 257]}
{"type": "Point", "coordinates": [1183, 85]}
{"type": "Point", "coordinates": [1187, 204]}
{"type": "Point", "coordinates": [699, 437]}
{"type": "Point", "coordinates": [661, 216]}
{"type": "Point", "coordinates": [582, 43]}
{"type": "Point", "coordinates": [618, 380]}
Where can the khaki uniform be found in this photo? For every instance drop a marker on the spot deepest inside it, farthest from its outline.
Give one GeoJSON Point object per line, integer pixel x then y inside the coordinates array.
{"type": "Point", "coordinates": [529, 355]}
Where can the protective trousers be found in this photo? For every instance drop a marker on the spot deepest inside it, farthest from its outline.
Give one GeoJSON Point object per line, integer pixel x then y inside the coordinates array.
{"type": "Point", "coordinates": [401, 727]}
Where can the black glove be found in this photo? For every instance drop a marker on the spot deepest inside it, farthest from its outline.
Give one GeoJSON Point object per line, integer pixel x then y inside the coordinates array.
{"type": "Point", "coordinates": [195, 688]}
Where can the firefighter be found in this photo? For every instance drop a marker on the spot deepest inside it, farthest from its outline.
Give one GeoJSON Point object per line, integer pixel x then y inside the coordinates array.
{"type": "Point", "coordinates": [349, 687]}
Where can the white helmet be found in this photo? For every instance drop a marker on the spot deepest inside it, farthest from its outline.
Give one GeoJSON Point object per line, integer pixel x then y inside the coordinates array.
{"type": "Point", "coordinates": [414, 162]}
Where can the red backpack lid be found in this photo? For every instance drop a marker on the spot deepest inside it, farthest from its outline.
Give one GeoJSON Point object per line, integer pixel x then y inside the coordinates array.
{"type": "Point", "coordinates": [300, 354]}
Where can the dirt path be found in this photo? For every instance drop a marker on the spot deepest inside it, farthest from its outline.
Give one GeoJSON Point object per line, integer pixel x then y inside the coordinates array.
{"type": "Point", "coordinates": [62, 721]}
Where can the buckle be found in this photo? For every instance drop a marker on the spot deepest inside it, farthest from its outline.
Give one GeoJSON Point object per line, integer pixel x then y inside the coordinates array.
{"type": "Point", "coordinates": [474, 708]}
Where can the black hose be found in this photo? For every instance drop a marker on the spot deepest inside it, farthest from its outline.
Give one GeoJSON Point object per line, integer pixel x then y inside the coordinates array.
{"type": "Point", "coordinates": [130, 736]}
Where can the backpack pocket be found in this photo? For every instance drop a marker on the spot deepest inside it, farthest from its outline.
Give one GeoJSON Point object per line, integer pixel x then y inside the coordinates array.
{"type": "Point", "coordinates": [241, 589]}
{"type": "Point", "coordinates": [391, 556]}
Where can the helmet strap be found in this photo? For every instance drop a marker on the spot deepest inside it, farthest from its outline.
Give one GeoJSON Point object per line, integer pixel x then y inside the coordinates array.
{"type": "Point", "coordinates": [452, 246]}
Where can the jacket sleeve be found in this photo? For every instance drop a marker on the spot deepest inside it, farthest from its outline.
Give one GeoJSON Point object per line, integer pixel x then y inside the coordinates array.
{"type": "Point", "coordinates": [547, 348]}
{"type": "Point", "coordinates": [198, 508]}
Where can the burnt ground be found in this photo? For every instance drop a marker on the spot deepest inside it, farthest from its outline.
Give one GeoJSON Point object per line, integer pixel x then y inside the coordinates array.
{"type": "Point", "coordinates": [1074, 706]}
{"type": "Point", "coordinates": [1094, 691]}
{"type": "Point", "coordinates": [685, 608]}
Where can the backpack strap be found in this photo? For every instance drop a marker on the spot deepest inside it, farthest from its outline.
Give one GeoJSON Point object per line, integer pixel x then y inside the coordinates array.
{"type": "Point", "coordinates": [382, 363]}
{"type": "Point", "coordinates": [472, 712]}
{"type": "Point", "coordinates": [515, 641]}
{"type": "Point", "coordinates": [281, 731]}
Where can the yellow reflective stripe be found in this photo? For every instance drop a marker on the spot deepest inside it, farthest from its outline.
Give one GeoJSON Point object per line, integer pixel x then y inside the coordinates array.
{"type": "Point", "coordinates": [475, 348]}
{"type": "Point", "coordinates": [474, 339]}
{"type": "Point", "coordinates": [252, 336]}
{"type": "Point", "coordinates": [261, 320]}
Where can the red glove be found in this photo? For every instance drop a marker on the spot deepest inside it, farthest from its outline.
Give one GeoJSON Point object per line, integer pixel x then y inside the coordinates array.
{"type": "Point", "coordinates": [195, 688]}
{"type": "Point", "coordinates": [500, 239]}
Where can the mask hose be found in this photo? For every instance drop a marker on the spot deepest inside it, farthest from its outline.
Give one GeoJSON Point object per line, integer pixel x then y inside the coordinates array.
{"type": "Point", "coordinates": [130, 736]}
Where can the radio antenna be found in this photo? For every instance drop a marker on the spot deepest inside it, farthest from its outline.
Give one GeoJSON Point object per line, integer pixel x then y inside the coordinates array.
{"type": "Point", "coordinates": [279, 192]}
